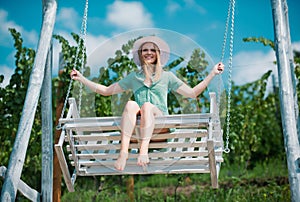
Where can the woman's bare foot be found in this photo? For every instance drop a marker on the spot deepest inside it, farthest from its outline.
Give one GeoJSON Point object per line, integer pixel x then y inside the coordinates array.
{"type": "Point", "coordinates": [143, 160]}
{"type": "Point", "coordinates": [121, 161]}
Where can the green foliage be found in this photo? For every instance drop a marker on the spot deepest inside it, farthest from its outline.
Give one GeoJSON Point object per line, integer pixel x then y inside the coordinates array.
{"type": "Point", "coordinates": [73, 57]}
{"type": "Point", "coordinates": [12, 98]}
{"type": "Point", "coordinates": [255, 122]}
{"type": "Point", "coordinates": [192, 74]}
{"type": "Point", "coordinates": [264, 41]}
{"type": "Point", "coordinates": [262, 183]}
{"type": "Point", "coordinates": [118, 67]}
{"type": "Point", "coordinates": [297, 73]}
{"type": "Point", "coordinates": [256, 129]}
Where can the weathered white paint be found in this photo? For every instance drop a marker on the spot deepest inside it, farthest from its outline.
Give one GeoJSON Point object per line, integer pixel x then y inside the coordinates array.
{"type": "Point", "coordinates": [287, 99]}
{"type": "Point", "coordinates": [17, 157]}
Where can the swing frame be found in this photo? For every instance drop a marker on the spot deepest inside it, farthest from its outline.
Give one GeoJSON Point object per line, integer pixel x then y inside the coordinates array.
{"type": "Point", "coordinates": [196, 145]}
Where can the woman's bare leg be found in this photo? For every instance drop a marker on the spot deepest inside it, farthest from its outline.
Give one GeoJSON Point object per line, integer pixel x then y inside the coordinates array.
{"type": "Point", "coordinates": [127, 126]}
{"type": "Point", "coordinates": [148, 112]}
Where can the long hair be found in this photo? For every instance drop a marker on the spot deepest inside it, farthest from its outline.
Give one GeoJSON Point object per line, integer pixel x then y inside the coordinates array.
{"type": "Point", "coordinates": [145, 65]}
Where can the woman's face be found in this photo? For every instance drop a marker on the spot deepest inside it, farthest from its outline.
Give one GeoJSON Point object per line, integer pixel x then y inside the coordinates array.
{"type": "Point", "coordinates": [149, 53]}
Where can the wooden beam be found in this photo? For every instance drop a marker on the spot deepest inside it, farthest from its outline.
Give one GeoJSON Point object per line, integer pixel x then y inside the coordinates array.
{"type": "Point", "coordinates": [287, 97]}
{"type": "Point", "coordinates": [63, 163]}
{"type": "Point", "coordinates": [212, 164]}
{"type": "Point", "coordinates": [23, 188]}
{"type": "Point", "coordinates": [17, 157]}
{"type": "Point", "coordinates": [47, 132]}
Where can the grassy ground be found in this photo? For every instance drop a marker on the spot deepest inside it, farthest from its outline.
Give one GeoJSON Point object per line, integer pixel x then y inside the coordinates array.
{"type": "Point", "coordinates": [264, 182]}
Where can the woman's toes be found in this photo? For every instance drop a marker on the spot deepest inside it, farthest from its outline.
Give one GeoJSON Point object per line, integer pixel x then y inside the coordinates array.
{"type": "Point", "coordinates": [121, 161]}
{"type": "Point", "coordinates": [143, 160]}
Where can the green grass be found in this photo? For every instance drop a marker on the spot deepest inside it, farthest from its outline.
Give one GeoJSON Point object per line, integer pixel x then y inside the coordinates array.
{"type": "Point", "coordinates": [264, 182]}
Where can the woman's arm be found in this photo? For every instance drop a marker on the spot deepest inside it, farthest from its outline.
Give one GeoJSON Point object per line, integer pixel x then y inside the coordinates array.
{"type": "Point", "coordinates": [98, 88]}
{"type": "Point", "coordinates": [187, 91]}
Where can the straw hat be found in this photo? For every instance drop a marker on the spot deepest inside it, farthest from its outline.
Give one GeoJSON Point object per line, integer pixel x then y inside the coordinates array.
{"type": "Point", "coordinates": [162, 46]}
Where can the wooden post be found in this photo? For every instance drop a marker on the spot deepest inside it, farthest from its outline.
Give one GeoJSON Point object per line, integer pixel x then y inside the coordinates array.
{"type": "Point", "coordinates": [292, 66]}
{"type": "Point", "coordinates": [47, 132]}
{"type": "Point", "coordinates": [59, 106]}
{"type": "Point", "coordinates": [288, 114]}
{"type": "Point", "coordinates": [17, 157]}
{"type": "Point", "coordinates": [212, 164]}
{"type": "Point", "coordinates": [130, 188]}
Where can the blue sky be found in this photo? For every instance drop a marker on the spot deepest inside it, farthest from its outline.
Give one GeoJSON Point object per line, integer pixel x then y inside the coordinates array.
{"type": "Point", "coordinates": [200, 22]}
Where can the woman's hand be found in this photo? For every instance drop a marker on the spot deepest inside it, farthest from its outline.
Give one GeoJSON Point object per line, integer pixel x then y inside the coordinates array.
{"type": "Point", "coordinates": [76, 75]}
{"type": "Point", "coordinates": [218, 68]}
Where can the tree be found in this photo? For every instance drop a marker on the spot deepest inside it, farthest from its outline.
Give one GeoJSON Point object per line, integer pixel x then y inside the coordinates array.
{"type": "Point", "coordinates": [193, 73]}
{"type": "Point", "coordinates": [11, 102]}
{"type": "Point", "coordinates": [255, 130]}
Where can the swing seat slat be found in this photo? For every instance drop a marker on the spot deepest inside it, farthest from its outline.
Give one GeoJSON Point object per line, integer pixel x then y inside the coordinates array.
{"type": "Point", "coordinates": [113, 123]}
{"type": "Point", "coordinates": [133, 169]}
{"type": "Point", "coordinates": [105, 156]}
{"type": "Point", "coordinates": [184, 133]}
{"type": "Point", "coordinates": [193, 145]}
{"type": "Point", "coordinates": [97, 147]}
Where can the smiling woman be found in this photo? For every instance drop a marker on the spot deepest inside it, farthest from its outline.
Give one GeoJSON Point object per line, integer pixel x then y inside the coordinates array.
{"type": "Point", "coordinates": [182, 50]}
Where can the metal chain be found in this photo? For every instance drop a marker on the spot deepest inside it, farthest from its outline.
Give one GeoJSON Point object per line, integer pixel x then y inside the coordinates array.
{"type": "Point", "coordinates": [58, 127]}
{"type": "Point", "coordinates": [226, 31]}
{"type": "Point", "coordinates": [82, 38]}
{"type": "Point", "coordinates": [232, 2]}
{"type": "Point", "coordinates": [223, 51]}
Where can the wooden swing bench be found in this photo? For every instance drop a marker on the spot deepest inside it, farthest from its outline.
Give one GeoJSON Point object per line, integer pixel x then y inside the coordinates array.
{"type": "Point", "coordinates": [195, 145]}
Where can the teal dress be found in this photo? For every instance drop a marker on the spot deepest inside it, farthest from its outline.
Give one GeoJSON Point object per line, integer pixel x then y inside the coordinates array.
{"type": "Point", "coordinates": [156, 94]}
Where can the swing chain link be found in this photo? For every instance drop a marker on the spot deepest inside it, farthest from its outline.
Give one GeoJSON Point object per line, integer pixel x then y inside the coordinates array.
{"type": "Point", "coordinates": [232, 3]}
{"type": "Point", "coordinates": [223, 51]}
{"type": "Point", "coordinates": [59, 127]}
{"type": "Point", "coordinates": [82, 39]}
{"type": "Point", "coordinates": [225, 32]}
{"type": "Point", "coordinates": [230, 15]}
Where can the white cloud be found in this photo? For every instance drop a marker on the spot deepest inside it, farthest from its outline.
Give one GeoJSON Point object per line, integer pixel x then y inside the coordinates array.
{"type": "Point", "coordinates": [193, 4]}
{"type": "Point", "coordinates": [128, 15]}
{"type": "Point", "coordinates": [172, 7]}
{"type": "Point", "coordinates": [296, 46]}
{"type": "Point", "coordinates": [101, 48]}
{"type": "Point", "coordinates": [98, 50]}
{"type": "Point", "coordinates": [68, 18]}
{"type": "Point", "coordinates": [29, 37]}
{"type": "Point", "coordinates": [7, 72]}
{"type": "Point", "coordinates": [249, 66]}
{"type": "Point", "coordinates": [213, 26]}
{"type": "Point", "coordinates": [5, 39]}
